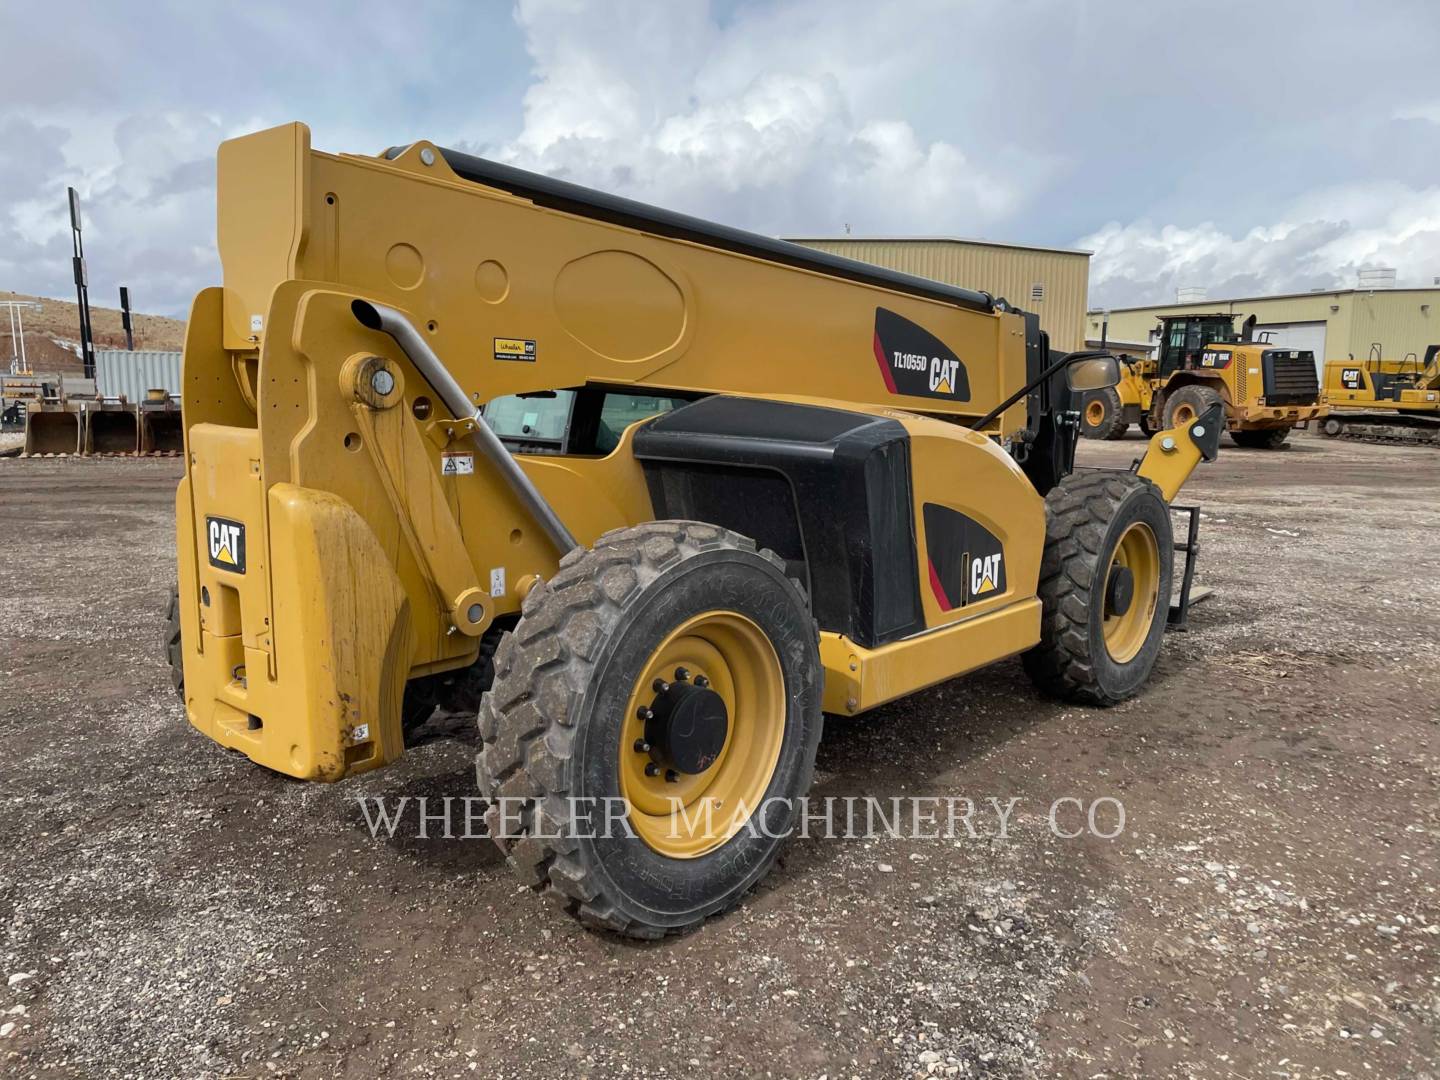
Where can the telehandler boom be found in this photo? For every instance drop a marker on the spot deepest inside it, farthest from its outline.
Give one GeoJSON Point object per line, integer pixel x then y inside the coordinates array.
{"type": "Point", "coordinates": [648, 494]}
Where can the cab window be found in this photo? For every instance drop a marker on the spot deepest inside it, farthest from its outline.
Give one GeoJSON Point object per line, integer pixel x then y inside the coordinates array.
{"type": "Point", "coordinates": [586, 421]}
{"type": "Point", "coordinates": [619, 411]}
{"type": "Point", "coordinates": [542, 419]}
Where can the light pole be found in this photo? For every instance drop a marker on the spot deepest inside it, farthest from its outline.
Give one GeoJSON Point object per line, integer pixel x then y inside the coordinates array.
{"type": "Point", "coordinates": [19, 363]}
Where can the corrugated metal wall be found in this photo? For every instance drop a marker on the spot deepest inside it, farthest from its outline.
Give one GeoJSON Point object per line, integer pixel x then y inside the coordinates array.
{"type": "Point", "coordinates": [1011, 272]}
{"type": "Point", "coordinates": [1401, 320]}
{"type": "Point", "coordinates": [121, 373]}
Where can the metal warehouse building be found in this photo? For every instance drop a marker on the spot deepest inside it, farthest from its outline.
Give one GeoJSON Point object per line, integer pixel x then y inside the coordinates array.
{"type": "Point", "coordinates": [1051, 282]}
{"type": "Point", "coordinates": [1332, 325]}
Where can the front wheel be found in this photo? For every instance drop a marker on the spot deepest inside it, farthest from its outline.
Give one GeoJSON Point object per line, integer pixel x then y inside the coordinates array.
{"type": "Point", "coordinates": [652, 726]}
{"type": "Point", "coordinates": [1103, 417]}
{"type": "Point", "coordinates": [1104, 587]}
{"type": "Point", "coordinates": [1265, 439]}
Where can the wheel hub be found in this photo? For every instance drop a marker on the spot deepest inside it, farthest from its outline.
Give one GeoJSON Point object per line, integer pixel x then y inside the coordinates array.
{"type": "Point", "coordinates": [1119, 591]}
{"type": "Point", "coordinates": [685, 725]}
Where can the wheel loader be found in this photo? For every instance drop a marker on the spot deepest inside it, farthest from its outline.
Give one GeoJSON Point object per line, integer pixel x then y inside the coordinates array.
{"type": "Point", "coordinates": [646, 494]}
{"type": "Point", "coordinates": [1384, 400]}
{"type": "Point", "coordinates": [1265, 391]}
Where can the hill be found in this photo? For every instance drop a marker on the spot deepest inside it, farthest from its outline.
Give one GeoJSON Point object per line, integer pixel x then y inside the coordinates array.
{"type": "Point", "coordinates": [53, 333]}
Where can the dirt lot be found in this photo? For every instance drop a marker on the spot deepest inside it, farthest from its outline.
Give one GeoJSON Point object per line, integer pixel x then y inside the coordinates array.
{"type": "Point", "coordinates": [1270, 909]}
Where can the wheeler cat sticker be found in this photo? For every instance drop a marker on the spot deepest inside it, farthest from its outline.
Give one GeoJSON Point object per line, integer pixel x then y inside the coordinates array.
{"type": "Point", "coordinates": [916, 363]}
{"type": "Point", "coordinates": [510, 348]}
{"type": "Point", "coordinates": [226, 540]}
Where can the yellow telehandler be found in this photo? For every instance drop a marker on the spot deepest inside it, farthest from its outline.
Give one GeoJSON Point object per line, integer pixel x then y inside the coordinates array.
{"type": "Point", "coordinates": [649, 494]}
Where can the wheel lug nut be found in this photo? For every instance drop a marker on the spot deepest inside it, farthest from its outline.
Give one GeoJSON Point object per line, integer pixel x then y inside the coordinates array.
{"type": "Point", "coordinates": [701, 681]}
{"type": "Point", "coordinates": [651, 769]}
{"type": "Point", "coordinates": [645, 713]}
{"type": "Point", "coordinates": [641, 746]}
{"type": "Point", "coordinates": [660, 686]}
{"type": "Point", "coordinates": [681, 674]}
{"type": "Point", "coordinates": [671, 776]}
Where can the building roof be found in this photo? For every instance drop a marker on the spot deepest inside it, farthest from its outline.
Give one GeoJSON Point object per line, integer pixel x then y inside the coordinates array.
{"type": "Point", "coordinates": [937, 240]}
{"type": "Point", "coordinates": [1310, 295]}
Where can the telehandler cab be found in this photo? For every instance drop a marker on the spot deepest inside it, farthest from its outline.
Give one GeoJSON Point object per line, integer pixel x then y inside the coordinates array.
{"type": "Point", "coordinates": [648, 494]}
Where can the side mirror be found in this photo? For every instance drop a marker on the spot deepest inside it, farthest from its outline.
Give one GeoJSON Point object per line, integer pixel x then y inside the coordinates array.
{"type": "Point", "coordinates": [1093, 373]}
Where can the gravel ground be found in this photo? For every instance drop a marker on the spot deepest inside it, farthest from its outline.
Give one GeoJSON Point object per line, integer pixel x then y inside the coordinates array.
{"type": "Point", "coordinates": [1269, 910]}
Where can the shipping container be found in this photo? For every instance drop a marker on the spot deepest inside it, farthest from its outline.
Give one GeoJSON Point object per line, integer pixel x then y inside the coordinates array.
{"type": "Point", "coordinates": [132, 374]}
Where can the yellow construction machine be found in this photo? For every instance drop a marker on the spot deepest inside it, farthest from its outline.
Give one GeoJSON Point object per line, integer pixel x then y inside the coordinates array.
{"type": "Point", "coordinates": [648, 494]}
{"type": "Point", "coordinates": [1265, 390]}
{"type": "Point", "coordinates": [1384, 400]}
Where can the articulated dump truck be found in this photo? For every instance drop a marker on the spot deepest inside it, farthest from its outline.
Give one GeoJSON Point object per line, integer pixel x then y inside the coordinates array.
{"type": "Point", "coordinates": [645, 494]}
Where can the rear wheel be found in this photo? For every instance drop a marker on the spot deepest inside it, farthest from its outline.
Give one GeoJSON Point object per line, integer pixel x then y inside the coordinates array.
{"type": "Point", "coordinates": [1266, 439]}
{"type": "Point", "coordinates": [1185, 404]}
{"type": "Point", "coordinates": [1104, 587]}
{"type": "Point", "coordinates": [174, 656]}
{"type": "Point", "coordinates": [1103, 417]}
{"type": "Point", "coordinates": [653, 723]}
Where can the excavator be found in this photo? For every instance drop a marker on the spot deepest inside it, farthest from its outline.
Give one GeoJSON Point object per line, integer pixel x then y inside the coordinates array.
{"type": "Point", "coordinates": [647, 495]}
{"type": "Point", "coordinates": [1395, 401]}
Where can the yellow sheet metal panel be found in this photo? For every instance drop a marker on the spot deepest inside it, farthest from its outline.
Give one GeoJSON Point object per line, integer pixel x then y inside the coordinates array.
{"type": "Point", "coordinates": [1009, 271]}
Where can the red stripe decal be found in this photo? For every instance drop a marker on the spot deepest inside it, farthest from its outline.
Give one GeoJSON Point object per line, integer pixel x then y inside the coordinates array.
{"type": "Point", "coordinates": [884, 365]}
{"type": "Point", "coordinates": [944, 600]}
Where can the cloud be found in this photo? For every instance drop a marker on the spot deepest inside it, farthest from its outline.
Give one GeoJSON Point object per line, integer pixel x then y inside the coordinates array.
{"type": "Point", "coordinates": [660, 103]}
{"type": "Point", "coordinates": [1322, 242]}
{"type": "Point", "coordinates": [782, 116]}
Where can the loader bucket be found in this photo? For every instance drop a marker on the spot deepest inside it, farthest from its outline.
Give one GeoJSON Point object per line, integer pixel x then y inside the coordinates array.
{"type": "Point", "coordinates": [113, 431]}
{"type": "Point", "coordinates": [161, 432]}
{"type": "Point", "coordinates": [58, 432]}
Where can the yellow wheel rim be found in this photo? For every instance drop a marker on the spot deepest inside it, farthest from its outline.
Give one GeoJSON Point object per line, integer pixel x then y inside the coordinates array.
{"type": "Point", "coordinates": [1137, 552]}
{"type": "Point", "coordinates": [1095, 413]}
{"type": "Point", "coordinates": [690, 814]}
{"type": "Point", "coordinates": [1183, 414]}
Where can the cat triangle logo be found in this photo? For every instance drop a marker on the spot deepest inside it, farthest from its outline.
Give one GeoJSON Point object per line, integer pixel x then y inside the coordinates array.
{"type": "Point", "coordinates": [227, 544]}
{"type": "Point", "coordinates": [986, 585]}
{"type": "Point", "coordinates": [943, 387]}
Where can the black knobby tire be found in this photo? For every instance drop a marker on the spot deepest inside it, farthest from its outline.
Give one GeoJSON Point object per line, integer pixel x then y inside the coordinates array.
{"type": "Point", "coordinates": [173, 653]}
{"type": "Point", "coordinates": [457, 691]}
{"type": "Point", "coordinates": [1102, 416]}
{"type": "Point", "coordinates": [1146, 428]}
{"type": "Point", "coordinates": [551, 724]}
{"type": "Point", "coordinates": [1086, 516]}
{"type": "Point", "coordinates": [1265, 439]}
{"type": "Point", "coordinates": [1199, 398]}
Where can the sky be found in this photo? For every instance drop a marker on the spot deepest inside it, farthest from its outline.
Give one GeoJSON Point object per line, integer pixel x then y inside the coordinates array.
{"type": "Point", "coordinates": [1244, 148]}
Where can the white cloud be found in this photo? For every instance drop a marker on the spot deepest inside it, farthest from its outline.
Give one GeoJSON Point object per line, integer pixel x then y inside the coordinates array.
{"type": "Point", "coordinates": [663, 104]}
{"type": "Point", "coordinates": [783, 116]}
{"type": "Point", "coordinates": [1322, 240]}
